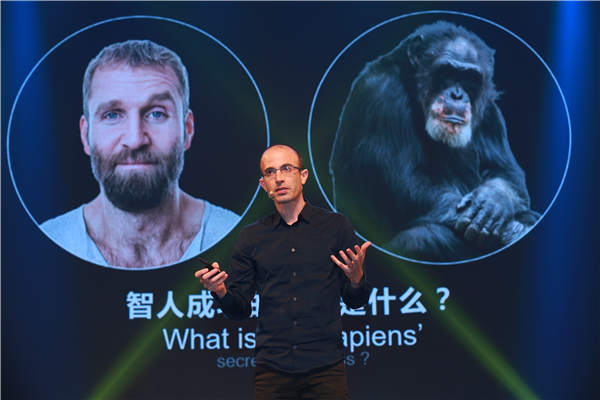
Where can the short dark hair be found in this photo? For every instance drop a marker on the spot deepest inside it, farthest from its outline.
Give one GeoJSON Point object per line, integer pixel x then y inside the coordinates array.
{"type": "Point", "coordinates": [137, 53]}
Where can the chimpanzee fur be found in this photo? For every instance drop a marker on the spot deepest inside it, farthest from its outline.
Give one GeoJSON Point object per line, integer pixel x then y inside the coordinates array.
{"type": "Point", "coordinates": [421, 151]}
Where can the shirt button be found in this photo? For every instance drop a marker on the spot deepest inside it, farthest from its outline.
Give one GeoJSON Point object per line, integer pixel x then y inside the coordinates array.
{"type": "Point", "coordinates": [295, 322]}
{"type": "Point", "coordinates": [294, 273]}
{"type": "Point", "coordinates": [293, 249]}
{"type": "Point", "coordinates": [295, 298]}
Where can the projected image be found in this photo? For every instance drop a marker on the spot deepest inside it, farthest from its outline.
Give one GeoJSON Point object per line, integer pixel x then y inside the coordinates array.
{"type": "Point", "coordinates": [136, 126]}
{"type": "Point", "coordinates": [422, 150]}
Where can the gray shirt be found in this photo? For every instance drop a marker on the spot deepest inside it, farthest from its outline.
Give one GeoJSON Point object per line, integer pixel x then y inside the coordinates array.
{"type": "Point", "coordinates": [69, 232]}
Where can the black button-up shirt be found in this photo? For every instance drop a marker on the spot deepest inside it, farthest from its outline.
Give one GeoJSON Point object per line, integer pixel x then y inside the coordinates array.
{"type": "Point", "coordinates": [299, 325]}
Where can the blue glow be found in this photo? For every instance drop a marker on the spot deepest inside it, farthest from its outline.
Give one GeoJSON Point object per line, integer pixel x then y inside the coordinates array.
{"type": "Point", "coordinates": [557, 284]}
{"type": "Point", "coordinates": [566, 110]}
{"type": "Point", "coordinates": [26, 32]}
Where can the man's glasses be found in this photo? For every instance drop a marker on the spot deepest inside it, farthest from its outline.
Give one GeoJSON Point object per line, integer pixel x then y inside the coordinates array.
{"type": "Point", "coordinates": [286, 170]}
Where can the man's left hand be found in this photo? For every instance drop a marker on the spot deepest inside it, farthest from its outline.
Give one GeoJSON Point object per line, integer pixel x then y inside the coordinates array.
{"type": "Point", "coordinates": [352, 262]}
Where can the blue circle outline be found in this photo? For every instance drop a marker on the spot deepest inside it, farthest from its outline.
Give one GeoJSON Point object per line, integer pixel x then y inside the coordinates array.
{"type": "Point", "coordinates": [123, 18]}
{"type": "Point", "coordinates": [465, 15]}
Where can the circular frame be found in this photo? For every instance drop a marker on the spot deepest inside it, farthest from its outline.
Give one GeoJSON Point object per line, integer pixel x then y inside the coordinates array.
{"type": "Point", "coordinates": [327, 71]}
{"type": "Point", "coordinates": [124, 18]}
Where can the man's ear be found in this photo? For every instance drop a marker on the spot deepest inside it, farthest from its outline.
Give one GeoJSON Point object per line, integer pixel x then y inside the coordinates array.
{"type": "Point", "coordinates": [261, 181]}
{"type": "Point", "coordinates": [83, 134]}
{"type": "Point", "coordinates": [188, 129]}
{"type": "Point", "coordinates": [304, 175]}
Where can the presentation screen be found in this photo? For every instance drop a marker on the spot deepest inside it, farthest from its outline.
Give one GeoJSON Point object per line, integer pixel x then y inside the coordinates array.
{"type": "Point", "coordinates": [458, 138]}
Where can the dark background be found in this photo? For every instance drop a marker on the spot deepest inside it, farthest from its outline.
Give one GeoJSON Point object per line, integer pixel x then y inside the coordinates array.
{"type": "Point", "coordinates": [523, 323]}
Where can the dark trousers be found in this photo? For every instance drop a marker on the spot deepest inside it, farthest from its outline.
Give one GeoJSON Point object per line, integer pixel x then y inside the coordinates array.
{"type": "Point", "coordinates": [328, 383]}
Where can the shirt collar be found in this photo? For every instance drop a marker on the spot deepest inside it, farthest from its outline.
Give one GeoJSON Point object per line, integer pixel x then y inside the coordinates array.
{"type": "Point", "coordinates": [305, 216]}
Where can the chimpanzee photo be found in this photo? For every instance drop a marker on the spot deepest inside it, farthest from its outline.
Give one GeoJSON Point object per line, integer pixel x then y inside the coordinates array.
{"type": "Point", "coordinates": [421, 150]}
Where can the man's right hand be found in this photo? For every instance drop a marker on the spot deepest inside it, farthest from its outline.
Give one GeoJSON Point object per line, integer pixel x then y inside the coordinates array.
{"type": "Point", "coordinates": [213, 279]}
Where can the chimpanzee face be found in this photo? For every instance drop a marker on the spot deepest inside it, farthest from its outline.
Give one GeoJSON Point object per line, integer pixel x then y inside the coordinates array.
{"type": "Point", "coordinates": [450, 91]}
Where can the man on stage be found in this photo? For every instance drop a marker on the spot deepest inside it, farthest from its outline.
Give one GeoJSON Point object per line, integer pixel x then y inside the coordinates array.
{"type": "Point", "coordinates": [300, 260]}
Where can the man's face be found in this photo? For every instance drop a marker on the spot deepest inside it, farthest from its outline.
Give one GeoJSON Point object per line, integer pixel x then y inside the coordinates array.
{"type": "Point", "coordinates": [136, 133]}
{"type": "Point", "coordinates": [281, 187]}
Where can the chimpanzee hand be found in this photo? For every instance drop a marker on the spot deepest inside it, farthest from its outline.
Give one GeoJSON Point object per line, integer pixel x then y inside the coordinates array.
{"type": "Point", "coordinates": [485, 215]}
{"type": "Point", "coordinates": [512, 231]}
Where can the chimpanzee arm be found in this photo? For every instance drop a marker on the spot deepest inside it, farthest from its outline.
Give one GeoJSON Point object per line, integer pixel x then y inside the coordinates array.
{"type": "Point", "coordinates": [487, 214]}
{"type": "Point", "coordinates": [373, 146]}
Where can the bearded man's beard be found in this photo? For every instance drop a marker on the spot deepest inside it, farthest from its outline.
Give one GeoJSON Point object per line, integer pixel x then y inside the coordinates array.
{"type": "Point", "coordinates": [137, 191]}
